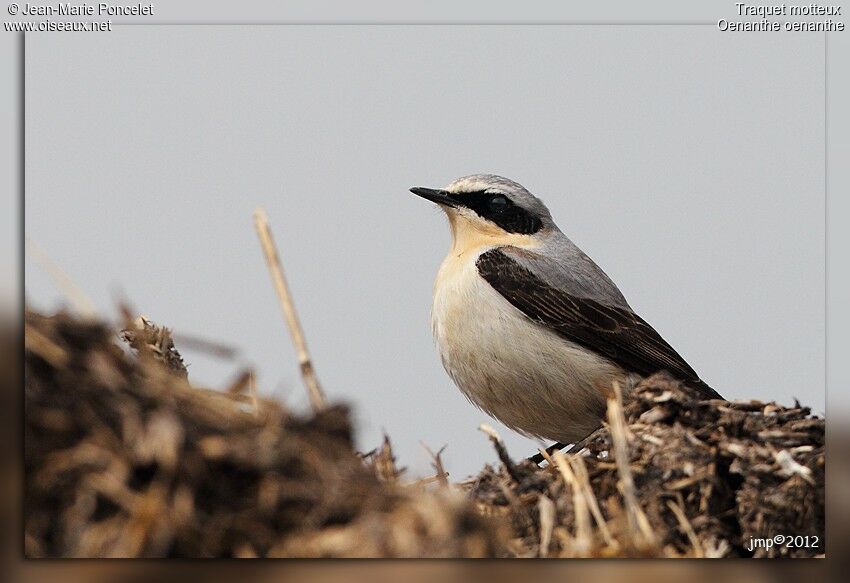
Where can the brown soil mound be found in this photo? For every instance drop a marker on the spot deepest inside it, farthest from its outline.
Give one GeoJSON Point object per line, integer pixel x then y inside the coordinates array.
{"type": "Point", "coordinates": [123, 457]}
{"type": "Point", "coordinates": [703, 478]}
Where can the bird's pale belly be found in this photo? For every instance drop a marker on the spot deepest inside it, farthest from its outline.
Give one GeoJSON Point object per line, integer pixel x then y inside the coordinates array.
{"type": "Point", "coordinates": [525, 375]}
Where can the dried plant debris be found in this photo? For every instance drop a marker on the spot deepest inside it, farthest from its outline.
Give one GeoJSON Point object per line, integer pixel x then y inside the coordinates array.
{"type": "Point", "coordinates": [125, 458]}
{"type": "Point", "coordinates": [696, 478]}
{"type": "Point", "coordinates": [154, 341]}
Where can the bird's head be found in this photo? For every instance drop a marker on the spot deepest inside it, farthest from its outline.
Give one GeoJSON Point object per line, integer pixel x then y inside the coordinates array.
{"type": "Point", "coordinates": [490, 209]}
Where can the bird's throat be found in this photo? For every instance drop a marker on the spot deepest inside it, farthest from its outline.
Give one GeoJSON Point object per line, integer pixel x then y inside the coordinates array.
{"type": "Point", "coordinates": [473, 235]}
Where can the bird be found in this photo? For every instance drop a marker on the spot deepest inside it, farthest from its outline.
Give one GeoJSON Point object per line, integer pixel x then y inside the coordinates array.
{"type": "Point", "coordinates": [530, 329]}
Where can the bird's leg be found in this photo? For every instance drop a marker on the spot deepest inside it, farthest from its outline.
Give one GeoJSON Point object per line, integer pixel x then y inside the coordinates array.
{"type": "Point", "coordinates": [538, 457]}
{"type": "Point", "coordinates": [582, 443]}
{"type": "Point", "coordinates": [574, 448]}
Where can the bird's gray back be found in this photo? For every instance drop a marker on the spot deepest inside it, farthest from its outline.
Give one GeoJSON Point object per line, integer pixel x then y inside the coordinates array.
{"type": "Point", "coordinates": [560, 263]}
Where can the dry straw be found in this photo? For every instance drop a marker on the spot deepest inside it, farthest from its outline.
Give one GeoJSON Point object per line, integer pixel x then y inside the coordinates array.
{"type": "Point", "coordinates": [308, 373]}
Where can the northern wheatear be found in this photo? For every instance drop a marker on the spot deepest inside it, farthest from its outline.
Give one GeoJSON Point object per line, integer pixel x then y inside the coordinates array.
{"type": "Point", "coordinates": [528, 326]}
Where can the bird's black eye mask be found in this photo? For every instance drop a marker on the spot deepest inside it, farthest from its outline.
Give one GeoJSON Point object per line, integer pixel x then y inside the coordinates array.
{"type": "Point", "coordinates": [493, 206]}
{"type": "Point", "coordinates": [499, 209]}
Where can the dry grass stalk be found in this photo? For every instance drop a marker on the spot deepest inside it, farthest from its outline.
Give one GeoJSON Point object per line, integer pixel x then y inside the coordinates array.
{"type": "Point", "coordinates": [580, 472]}
{"type": "Point", "coordinates": [546, 511]}
{"type": "Point", "coordinates": [38, 343]}
{"type": "Point", "coordinates": [638, 524]}
{"type": "Point", "coordinates": [383, 462]}
{"type": "Point", "coordinates": [75, 295]}
{"type": "Point", "coordinates": [687, 528]}
{"type": "Point", "coordinates": [308, 373]}
{"type": "Point", "coordinates": [240, 383]}
{"type": "Point", "coordinates": [583, 532]}
{"type": "Point", "coordinates": [441, 475]}
{"type": "Point", "coordinates": [199, 344]}
{"type": "Point", "coordinates": [501, 450]}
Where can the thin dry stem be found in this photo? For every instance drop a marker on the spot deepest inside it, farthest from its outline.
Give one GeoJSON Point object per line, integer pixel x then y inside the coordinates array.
{"type": "Point", "coordinates": [501, 450]}
{"type": "Point", "coordinates": [199, 344]}
{"type": "Point", "coordinates": [72, 292]}
{"type": "Point", "coordinates": [308, 373]}
{"type": "Point", "coordinates": [544, 456]}
{"type": "Point", "coordinates": [546, 511]}
{"type": "Point", "coordinates": [252, 387]}
{"type": "Point", "coordinates": [39, 344]}
{"type": "Point", "coordinates": [584, 541]}
{"type": "Point", "coordinates": [421, 482]}
{"type": "Point", "coordinates": [437, 462]}
{"type": "Point", "coordinates": [240, 383]}
{"type": "Point", "coordinates": [384, 462]}
{"type": "Point", "coordinates": [638, 522]}
{"type": "Point", "coordinates": [687, 528]}
{"type": "Point", "coordinates": [580, 471]}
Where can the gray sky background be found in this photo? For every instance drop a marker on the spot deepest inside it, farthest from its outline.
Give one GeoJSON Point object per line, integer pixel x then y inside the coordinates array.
{"type": "Point", "coordinates": [688, 163]}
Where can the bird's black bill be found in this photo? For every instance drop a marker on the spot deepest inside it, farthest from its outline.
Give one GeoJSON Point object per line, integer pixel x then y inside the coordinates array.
{"type": "Point", "coordinates": [434, 195]}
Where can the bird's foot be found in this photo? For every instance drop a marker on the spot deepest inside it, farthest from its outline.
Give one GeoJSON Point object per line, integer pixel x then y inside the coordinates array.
{"type": "Point", "coordinates": [539, 457]}
{"type": "Point", "coordinates": [574, 448]}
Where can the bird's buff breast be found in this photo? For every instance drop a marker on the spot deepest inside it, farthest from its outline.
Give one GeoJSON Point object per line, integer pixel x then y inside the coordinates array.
{"type": "Point", "coordinates": [528, 377]}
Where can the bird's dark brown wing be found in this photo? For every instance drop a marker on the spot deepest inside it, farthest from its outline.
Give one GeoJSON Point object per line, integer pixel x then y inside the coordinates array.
{"type": "Point", "coordinates": [617, 333]}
